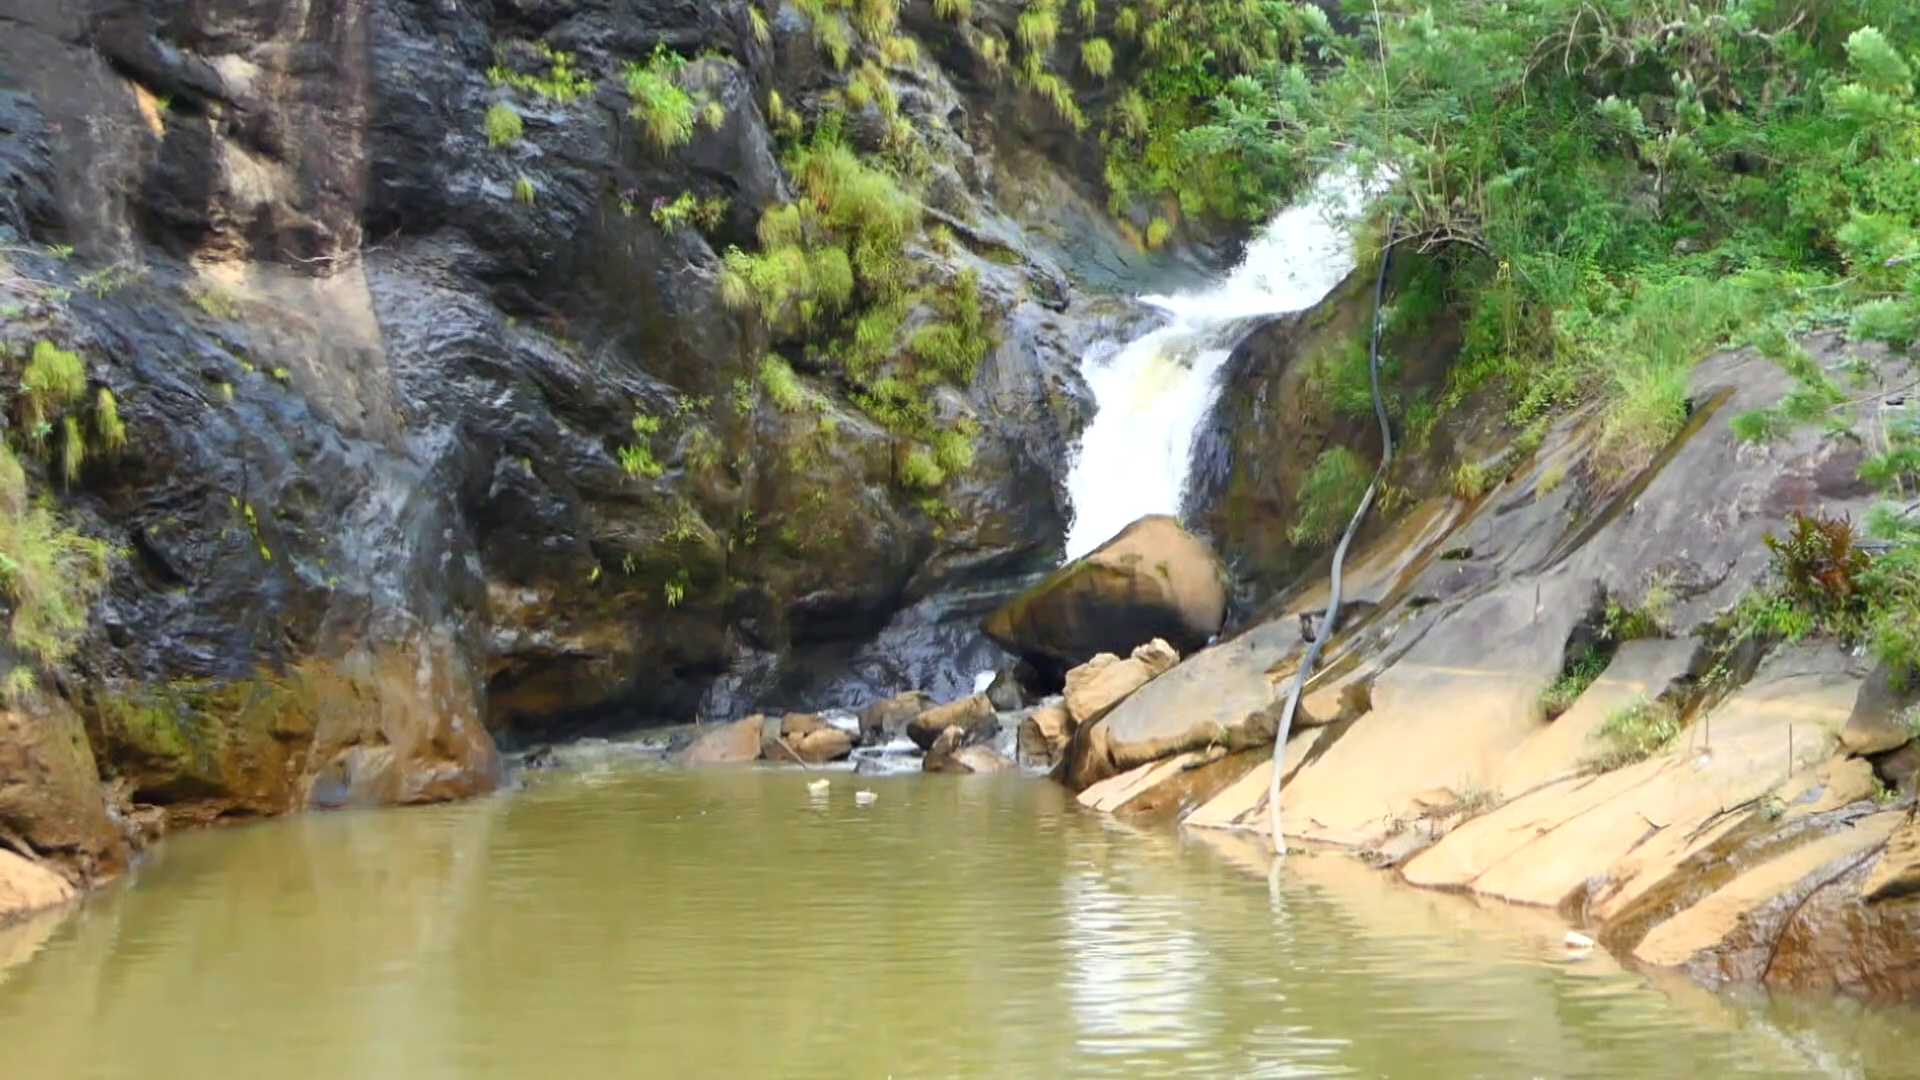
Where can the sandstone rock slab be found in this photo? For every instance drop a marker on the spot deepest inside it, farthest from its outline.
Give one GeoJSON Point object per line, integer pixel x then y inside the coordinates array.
{"type": "Point", "coordinates": [1730, 934]}
{"type": "Point", "coordinates": [1897, 871]}
{"type": "Point", "coordinates": [1220, 696]}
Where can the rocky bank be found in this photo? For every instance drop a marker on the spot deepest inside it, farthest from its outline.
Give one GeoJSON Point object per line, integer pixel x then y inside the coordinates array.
{"type": "Point", "coordinates": [1540, 695]}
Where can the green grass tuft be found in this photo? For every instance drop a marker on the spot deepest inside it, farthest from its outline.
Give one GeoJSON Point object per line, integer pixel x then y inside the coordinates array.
{"type": "Point", "coordinates": [503, 124]}
{"type": "Point", "coordinates": [665, 111]}
{"type": "Point", "coordinates": [1635, 733]}
{"type": "Point", "coordinates": [1329, 495]}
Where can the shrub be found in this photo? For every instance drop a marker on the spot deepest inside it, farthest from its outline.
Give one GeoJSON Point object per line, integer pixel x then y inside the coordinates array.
{"type": "Point", "coordinates": [1096, 55]}
{"type": "Point", "coordinates": [1820, 565]}
{"type": "Point", "coordinates": [920, 471]}
{"type": "Point", "coordinates": [561, 83]}
{"type": "Point", "coordinates": [782, 385]}
{"type": "Point", "coordinates": [664, 110]}
{"type": "Point", "coordinates": [503, 124]}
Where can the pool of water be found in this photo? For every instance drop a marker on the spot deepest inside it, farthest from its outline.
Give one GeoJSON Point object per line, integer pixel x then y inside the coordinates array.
{"type": "Point", "coordinates": [621, 919]}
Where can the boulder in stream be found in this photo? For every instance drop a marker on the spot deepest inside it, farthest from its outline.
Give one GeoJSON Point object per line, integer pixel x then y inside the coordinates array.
{"type": "Point", "coordinates": [1153, 580]}
{"type": "Point", "coordinates": [887, 719]}
{"type": "Point", "coordinates": [1044, 734]}
{"type": "Point", "coordinates": [727, 745]}
{"type": "Point", "coordinates": [951, 753]}
{"type": "Point", "coordinates": [973, 714]}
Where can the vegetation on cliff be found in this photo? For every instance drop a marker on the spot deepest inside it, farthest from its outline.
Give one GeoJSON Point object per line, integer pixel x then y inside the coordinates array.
{"type": "Point", "coordinates": [1611, 189]}
{"type": "Point", "coordinates": [49, 571]}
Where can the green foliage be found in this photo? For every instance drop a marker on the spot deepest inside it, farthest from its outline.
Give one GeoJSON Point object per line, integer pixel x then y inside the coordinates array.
{"type": "Point", "coordinates": [664, 110]}
{"type": "Point", "coordinates": [1635, 733]}
{"type": "Point", "coordinates": [1195, 121]}
{"type": "Point", "coordinates": [106, 421]}
{"type": "Point", "coordinates": [921, 471]}
{"type": "Point", "coordinates": [1581, 672]}
{"type": "Point", "coordinates": [524, 192]}
{"type": "Point", "coordinates": [1096, 55]}
{"type": "Point", "coordinates": [1328, 496]}
{"type": "Point", "coordinates": [782, 385]}
{"type": "Point", "coordinates": [54, 379]}
{"type": "Point", "coordinates": [687, 208]}
{"type": "Point", "coordinates": [560, 83]}
{"type": "Point", "coordinates": [636, 458]}
{"type": "Point", "coordinates": [1819, 565]}
{"type": "Point", "coordinates": [49, 573]}
{"type": "Point", "coordinates": [503, 124]}
{"type": "Point", "coordinates": [1613, 187]}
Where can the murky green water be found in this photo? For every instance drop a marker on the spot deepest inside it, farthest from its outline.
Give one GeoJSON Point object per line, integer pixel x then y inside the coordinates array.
{"type": "Point", "coordinates": [626, 921]}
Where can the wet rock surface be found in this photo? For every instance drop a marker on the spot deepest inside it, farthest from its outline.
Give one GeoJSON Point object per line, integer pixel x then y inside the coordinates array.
{"type": "Point", "coordinates": [385, 505]}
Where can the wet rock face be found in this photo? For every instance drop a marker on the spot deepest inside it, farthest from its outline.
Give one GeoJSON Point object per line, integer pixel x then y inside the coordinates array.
{"type": "Point", "coordinates": [385, 500]}
{"type": "Point", "coordinates": [1153, 580]}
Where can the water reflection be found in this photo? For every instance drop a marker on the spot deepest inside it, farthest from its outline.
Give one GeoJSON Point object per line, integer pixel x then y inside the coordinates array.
{"type": "Point", "coordinates": [628, 922]}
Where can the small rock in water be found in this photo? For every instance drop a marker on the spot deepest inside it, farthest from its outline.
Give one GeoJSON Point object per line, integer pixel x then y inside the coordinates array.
{"type": "Point", "coordinates": [818, 787]}
{"type": "Point", "coordinates": [1577, 940]}
{"type": "Point", "coordinates": [865, 798]}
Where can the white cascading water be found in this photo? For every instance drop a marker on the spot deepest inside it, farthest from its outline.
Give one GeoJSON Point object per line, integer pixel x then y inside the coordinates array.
{"type": "Point", "coordinates": [1155, 392]}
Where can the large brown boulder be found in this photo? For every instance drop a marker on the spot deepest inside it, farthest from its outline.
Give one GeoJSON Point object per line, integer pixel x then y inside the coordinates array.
{"type": "Point", "coordinates": [972, 714]}
{"type": "Point", "coordinates": [734, 743]}
{"type": "Point", "coordinates": [1153, 580]}
{"type": "Point", "coordinates": [884, 720]}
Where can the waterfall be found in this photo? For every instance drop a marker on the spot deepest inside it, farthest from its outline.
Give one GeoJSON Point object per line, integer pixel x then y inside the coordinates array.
{"type": "Point", "coordinates": [1153, 393]}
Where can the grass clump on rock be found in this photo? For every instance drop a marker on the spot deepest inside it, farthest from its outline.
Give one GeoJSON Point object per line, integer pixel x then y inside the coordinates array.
{"type": "Point", "coordinates": [1635, 733]}
{"type": "Point", "coordinates": [1328, 496]}
{"type": "Point", "coordinates": [664, 110]}
{"type": "Point", "coordinates": [50, 574]}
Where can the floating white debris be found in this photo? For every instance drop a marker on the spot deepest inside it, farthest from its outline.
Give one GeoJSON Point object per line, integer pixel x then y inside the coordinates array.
{"type": "Point", "coordinates": [864, 798]}
{"type": "Point", "coordinates": [1578, 940]}
{"type": "Point", "coordinates": [818, 787]}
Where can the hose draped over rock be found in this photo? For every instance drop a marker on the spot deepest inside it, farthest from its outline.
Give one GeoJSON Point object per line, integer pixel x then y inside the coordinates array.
{"type": "Point", "coordinates": [1330, 621]}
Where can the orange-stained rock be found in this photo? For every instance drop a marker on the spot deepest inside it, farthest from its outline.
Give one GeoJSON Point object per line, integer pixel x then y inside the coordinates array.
{"type": "Point", "coordinates": [26, 887]}
{"type": "Point", "coordinates": [389, 725]}
{"type": "Point", "coordinates": [50, 793]}
{"type": "Point", "coordinates": [727, 745]}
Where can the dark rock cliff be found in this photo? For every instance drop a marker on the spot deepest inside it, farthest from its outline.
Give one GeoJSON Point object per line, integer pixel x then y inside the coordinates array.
{"type": "Point", "coordinates": [378, 372]}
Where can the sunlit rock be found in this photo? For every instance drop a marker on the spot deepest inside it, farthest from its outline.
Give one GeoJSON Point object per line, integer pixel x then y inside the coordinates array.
{"type": "Point", "coordinates": [1153, 580]}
